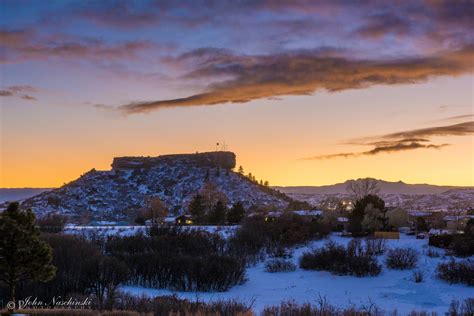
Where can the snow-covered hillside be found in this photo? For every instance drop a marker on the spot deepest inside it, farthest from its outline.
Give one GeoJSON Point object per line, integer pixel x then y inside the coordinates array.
{"type": "Point", "coordinates": [175, 179]}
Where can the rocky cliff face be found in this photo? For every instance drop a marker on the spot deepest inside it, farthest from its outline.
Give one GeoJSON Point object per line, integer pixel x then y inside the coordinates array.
{"type": "Point", "coordinates": [175, 179]}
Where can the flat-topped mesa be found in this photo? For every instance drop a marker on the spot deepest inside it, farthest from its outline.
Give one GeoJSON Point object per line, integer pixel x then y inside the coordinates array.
{"type": "Point", "coordinates": [222, 159]}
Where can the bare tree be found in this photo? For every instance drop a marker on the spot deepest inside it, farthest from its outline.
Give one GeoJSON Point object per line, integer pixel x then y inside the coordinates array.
{"type": "Point", "coordinates": [362, 187]}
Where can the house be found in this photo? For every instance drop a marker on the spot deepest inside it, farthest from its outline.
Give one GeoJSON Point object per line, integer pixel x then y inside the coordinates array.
{"type": "Point", "coordinates": [184, 220]}
{"type": "Point", "coordinates": [271, 216]}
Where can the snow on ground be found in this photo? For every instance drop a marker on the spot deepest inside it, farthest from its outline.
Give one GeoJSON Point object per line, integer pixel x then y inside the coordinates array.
{"type": "Point", "coordinates": [392, 289]}
{"type": "Point", "coordinates": [109, 230]}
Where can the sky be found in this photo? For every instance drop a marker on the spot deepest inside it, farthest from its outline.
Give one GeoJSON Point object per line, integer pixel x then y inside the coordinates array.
{"type": "Point", "coordinates": [304, 92]}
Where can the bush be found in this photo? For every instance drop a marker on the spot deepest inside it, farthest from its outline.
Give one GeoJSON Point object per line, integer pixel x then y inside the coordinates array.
{"type": "Point", "coordinates": [418, 276]}
{"type": "Point", "coordinates": [460, 309]}
{"type": "Point", "coordinates": [460, 245]}
{"type": "Point", "coordinates": [279, 265]}
{"type": "Point", "coordinates": [375, 246]}
{"type": "Point", "coordinates": [322, 307]}
{"type": "Point", "coordinates": [172, 305]}
{"type": "Point", "coordinates": [281, 252]}
{"type": "Point", "coordinates": [402, 258]}
{"type": "Point", "coordinates": [457, 271]}
{"type": "Point", "coordinates": [433, 253]}
{"type": "Point", "coordinates": [256, 236]}
{"type": "Point", "coordinates": [180, 259]}
{"type": "Point", "coordinates": [353, 260]}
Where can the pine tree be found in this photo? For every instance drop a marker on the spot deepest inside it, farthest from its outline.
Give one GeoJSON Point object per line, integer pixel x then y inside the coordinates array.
{"type": "Point", "coordinates": [218, 213]}
{"type": "Point", "coordinates": [236, 213]}
{"type": "Point", "coordinates": [241, 170]}
{"type": "Point", "coordinates": [23, 255]}
{"type": "Point", "coordinates": [197, 209]}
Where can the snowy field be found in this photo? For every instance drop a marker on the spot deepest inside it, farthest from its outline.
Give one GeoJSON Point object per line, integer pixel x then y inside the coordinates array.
{"type": "Point", "coordinates": [392, 289]}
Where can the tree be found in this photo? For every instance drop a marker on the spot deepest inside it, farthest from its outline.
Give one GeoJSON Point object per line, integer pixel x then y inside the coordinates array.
{"type": "Point", "coordinates": [266, 183]}
{"type": "Point", "coordinates": [197, 209]}
{"type": "Point", "coordinates": [218, 213]}
{"type": "Point", "coordinates": [357, 215]}
{"type": "Point", "coordinates": [236, 213]}
{"type": "Point", "coordinates": [23, 255]}
{"type": "Point", "coordinates": [362, 187]}
{"type": "Point", "coordinates": [421, 224]}
{"type": "Point", "coordinates": [155, 209]}
{"type": "Point", "coordinates": [211, 196]}
{"type": "Point", "coordinates": [104, 275]}
{"type": "Point", "coordinates": [241, 170]}
{"type": "Point", "coordinates": [52, 223]}
{"type": "Point", "coordinates": [374, 219]}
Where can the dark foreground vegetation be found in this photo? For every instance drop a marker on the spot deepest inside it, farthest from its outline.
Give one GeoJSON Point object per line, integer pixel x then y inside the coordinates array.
{"type": "Point", "coordinates": [324, 308]}
{"type": "Point", "coordinates": [402, 258]}
{"type": "Point", "coordinates": [460, 245]}
{"type": "Point", "coordinates": [171, 257]}
{"type": "Point", "coordinates": [457, 271]}
{"type": "Point", "coordinates": [258, 237]}
{"type": "Point", "coordinates": [355, 259]}
{"type": "Point", "coordinates": [185, 260]}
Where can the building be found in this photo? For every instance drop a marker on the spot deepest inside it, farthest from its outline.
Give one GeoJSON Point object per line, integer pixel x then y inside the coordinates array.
{"type": "Point", "coordinates": [184, 220]}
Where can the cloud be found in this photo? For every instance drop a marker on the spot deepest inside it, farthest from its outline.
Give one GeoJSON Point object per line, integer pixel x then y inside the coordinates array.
{"type": "Point", "coordinates": [243, 78]}
{"type": "Point", "coordinates": [395, 146]}
{"type": "Point", "coordinates": [403, 141]}
{"type": "Point", "coordinates": [459, 117]}
{"type": "Point", "coordinates": [20, 92]}
{"type": "Point", "coordinates": [21, 45]}
{"type": "Point", "coordinates": [381, 24]}
{"type": "Point", "coordinates": [6, 93]}
{"type": "Point", "coordinates": [461, 129]}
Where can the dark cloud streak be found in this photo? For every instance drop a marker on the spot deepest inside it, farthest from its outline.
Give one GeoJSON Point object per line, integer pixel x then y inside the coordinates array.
{"type": "Point", "coordinates": [403, 141]}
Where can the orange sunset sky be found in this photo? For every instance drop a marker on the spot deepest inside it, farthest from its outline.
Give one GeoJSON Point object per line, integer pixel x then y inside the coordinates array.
{"type": "Point", "coordinates": [305, 93]}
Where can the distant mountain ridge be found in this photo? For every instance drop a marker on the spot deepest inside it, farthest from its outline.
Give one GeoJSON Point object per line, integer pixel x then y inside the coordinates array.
{"type": "Point", "coordinates": [386, 187]}
{"type": "Point", "coordinates": [18, 194]}
{"type": "Point", "coordinates": [117, 193]}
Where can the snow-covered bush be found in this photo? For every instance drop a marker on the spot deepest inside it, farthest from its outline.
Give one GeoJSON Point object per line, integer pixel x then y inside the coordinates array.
{"type": "Point", "coordinates": [375, 246]}
{"type": "Point", "coordinates": [279, 265]}
{"type": "Point", "coordinates": [402, 258]}
{"type": "Point", "coordinates": [457, 271]}
{"type": "Point", "coordinates": [353, 260]}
